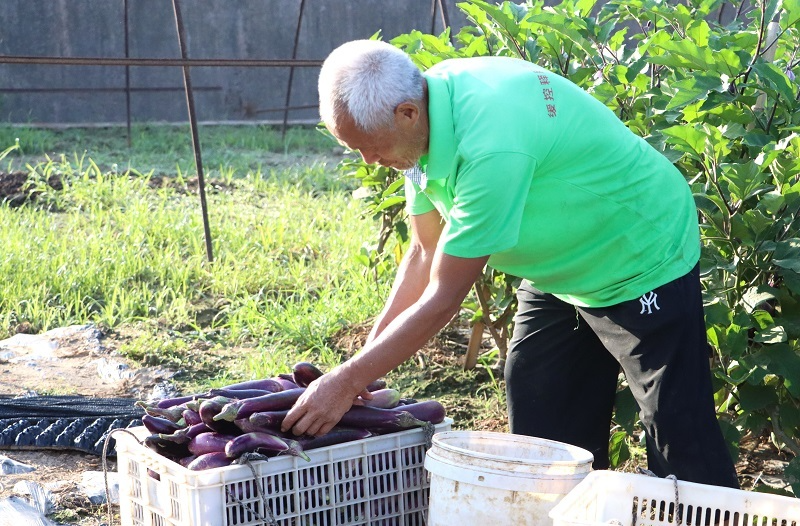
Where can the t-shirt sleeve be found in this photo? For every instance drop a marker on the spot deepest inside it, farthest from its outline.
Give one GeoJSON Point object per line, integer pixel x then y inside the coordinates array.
{"type": "Point", "coordinates": [417, 203]}
{"type": "Point", "coordinates": [491, 193]}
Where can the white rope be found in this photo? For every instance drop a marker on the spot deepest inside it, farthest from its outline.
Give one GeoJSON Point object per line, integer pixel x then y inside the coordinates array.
{"type": "Point", "coordinates": [677, 513]}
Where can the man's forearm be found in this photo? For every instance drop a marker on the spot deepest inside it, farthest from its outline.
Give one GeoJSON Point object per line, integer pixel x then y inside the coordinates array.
{"type": "Point", "coordinates": [404, 335]}
{"type": "Point", "coordinates": [412, 278]}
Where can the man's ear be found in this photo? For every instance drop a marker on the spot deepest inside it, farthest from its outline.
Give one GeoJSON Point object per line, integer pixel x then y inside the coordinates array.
{"type": "Point", "coordinates": [406, 113]}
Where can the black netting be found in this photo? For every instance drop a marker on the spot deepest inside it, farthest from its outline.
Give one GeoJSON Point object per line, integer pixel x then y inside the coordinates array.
{"type": "Point", "coordinates": [64, 422]}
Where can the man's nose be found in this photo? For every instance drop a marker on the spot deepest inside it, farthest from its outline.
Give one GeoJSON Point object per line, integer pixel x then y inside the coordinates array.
{"type": "Point", "coordinates": [370, 158]}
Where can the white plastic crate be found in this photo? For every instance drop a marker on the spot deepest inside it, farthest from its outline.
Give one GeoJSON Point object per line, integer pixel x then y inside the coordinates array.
{"type": "Point", "coordinates": [611, 498]}
{"type": "Point", "coordinates": [378, 481]}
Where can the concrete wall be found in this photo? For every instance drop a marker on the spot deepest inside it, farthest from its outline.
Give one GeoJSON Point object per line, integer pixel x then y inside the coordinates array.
{"type": "Point", "coordinates": [240, 29]}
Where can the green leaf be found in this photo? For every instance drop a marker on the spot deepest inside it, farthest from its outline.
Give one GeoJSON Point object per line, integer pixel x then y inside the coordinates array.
{"type": "Point", "coordinates": [771, 335]}
{"type": "Point", "coordinates": [792, 474]}
{"type": "Point", "coordinates": [792, 280]}
{"type": "Point", "coordinates": [688, 139]}
{"type": "Point", "coordinates": [756, 296]}
{"type": "Point", "coordinates": [744, 180]}
{"type": "Point", "coordinates": [618, 451]}
{"type": "Point", "coordinates": [776, 79]}
{"type": "Point", "coordinates": [787, 254]}
{"type": "Point", "coordinates": [713, 207]}
{"type": "Point", "coordinates": [759, 224]}
{"type": "Point", "coordinates": [790, 416]}
{"type": "Point", "coordinates": [738, 373]}
{"type": "Point", "coordinates": [717, 314]}
{"type": "Point", "coordinates": [686, 54]}
{"type": "Point", "coordinates": [732, 438]}
{"type": "Point", "coordinates": [389, 202]}
{"type": "Point", "coordinates": [692, 89]}
{"type": "Point", "coordinates": [786, 363]}
{"type": "Point", "coordinates": [771, 202]}
{"type": "Point", "coordinates": [789, 18]}
{"type": "Point", "coordinates": [626, 410]}
{"type": "Point", "coordinates": [699, 31]}
{"type": "Point", "coordinates": [506, 21]}
{"type": "Point", "coordinates": [756, 397]}
{"type": "Point", "coordinates": [394, 187]}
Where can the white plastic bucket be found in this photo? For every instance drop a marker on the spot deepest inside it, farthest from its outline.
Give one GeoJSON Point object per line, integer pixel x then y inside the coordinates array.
{"type": "Point", "coordinates": [487, 478]}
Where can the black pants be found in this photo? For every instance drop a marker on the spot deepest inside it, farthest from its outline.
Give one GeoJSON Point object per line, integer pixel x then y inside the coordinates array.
{"type": "Point", "coordinates": [564, 362]}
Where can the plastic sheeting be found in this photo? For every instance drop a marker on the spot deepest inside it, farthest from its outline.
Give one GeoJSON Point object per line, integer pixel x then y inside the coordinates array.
{"type": "Point", "coordinates": [15, 511]}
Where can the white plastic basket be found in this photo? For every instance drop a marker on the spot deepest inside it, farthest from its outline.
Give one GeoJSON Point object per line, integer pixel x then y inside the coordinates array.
{"type": "Point", "coordinates": [378, 481]}
{"type": "Point", "coordinates": [625, 499]}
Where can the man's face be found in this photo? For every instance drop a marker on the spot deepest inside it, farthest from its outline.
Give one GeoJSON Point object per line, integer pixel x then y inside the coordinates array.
{"type": "Point", "coordinates": [399, 147]}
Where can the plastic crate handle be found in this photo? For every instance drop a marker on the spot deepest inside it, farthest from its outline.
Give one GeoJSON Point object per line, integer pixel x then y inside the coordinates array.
{"type": "Point", "coordinates": [247, 459]}
{"type": "Point", "coordinates": [674, 479]}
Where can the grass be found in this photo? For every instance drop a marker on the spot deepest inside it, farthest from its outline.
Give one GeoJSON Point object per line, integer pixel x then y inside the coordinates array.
{"type": "Point", "coordinates": [167, 149]}
{"type": "Point", "coordinates": [125, 249]}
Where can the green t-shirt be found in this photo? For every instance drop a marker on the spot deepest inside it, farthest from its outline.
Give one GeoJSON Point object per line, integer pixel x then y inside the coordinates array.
{"type": "Point", "coordinates": [527, 167]}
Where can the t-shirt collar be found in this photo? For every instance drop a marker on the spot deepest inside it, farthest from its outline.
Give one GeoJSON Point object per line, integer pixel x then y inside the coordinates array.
{"type": "Point", "coordinates": [442, 142]}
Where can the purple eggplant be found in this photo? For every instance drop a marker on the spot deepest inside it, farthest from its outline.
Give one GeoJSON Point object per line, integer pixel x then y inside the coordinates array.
{"type": "Point", "coordinates": [271, 402]}
{"type": "Point", "coordinates": [304, 373]}
{"type": "Point", "coordinates": [182, 436]}
{"type": "Point", "coordinates": [380, 420]}
{"type": "Point", "coordinates": [185, 461]}
{"type": "Point", "coordinates": [286, 381]}
{"type": "Point", "coordinates": [337, 435]}
{"type": "Point", "coordinates": [173, 413]}
{"type": "Point", "coordinates": [165, 448]}
{"type": "Point", "coordinates": [265, 384]}
{"type": "Point", "coordinates": [376, 385]}
{"type": "Point", "coordinates": [170, 402]}
{"type": "Point", "coordinates": [268, 419]}
{"type": "Point", "coordinates": [428, 411]}
{"type": "Point", "coordinates": [246, 426]}
{"type": "Point", "coordinates": [383, 399]}
{"type": "Point", "coordinates": [191, 417]}
{"type": "Point", "coordinates": [209, 410]}
{"type": "Point", "coordinates": [240, 393]}
{"type": "Point", "coordinates": [217, 459]}
{"type": "Point", "coordinates": [208, 443]}
{"type": "Point", "coordinates": [157, 424]}
{"type": "Point", "coordinates": [264, 442]}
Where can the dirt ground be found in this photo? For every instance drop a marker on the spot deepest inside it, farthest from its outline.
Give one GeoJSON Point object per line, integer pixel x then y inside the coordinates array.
{"type": "Point", "coordinates": [79, 361]}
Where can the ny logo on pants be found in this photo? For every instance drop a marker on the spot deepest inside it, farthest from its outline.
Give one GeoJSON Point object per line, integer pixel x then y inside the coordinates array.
{"type": "Point", "coordinates": [648, 301]}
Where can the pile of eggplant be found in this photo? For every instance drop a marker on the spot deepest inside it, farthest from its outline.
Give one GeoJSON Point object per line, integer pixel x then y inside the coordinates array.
{"type": "Point", "coordinates": [216, 428]}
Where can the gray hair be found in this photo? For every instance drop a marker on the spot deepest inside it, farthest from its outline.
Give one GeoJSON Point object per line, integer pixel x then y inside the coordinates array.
{"type": "Point", "coordinates": [367, 79]}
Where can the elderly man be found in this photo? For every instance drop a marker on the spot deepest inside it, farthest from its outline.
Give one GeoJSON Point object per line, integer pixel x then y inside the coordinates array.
{"type": "Point", "coordinates": [513, 166]}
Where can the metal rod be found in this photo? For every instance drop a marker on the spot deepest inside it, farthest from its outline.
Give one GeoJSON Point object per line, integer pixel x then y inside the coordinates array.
{"type": "Point", "coordinates": [445, 18]}
{"type": "Point", "coordinates": [110, 89]}
{"type": "Point", "coordinates": [268, 110]}
{"type": "Point", "coordinates": [187, 82]}
{"type": "Point", "coordinates": [127, 74]}
{"type": "Point", "coordinates": [291, 70]}
{"type": "Point", "coordinates": [185, 62]}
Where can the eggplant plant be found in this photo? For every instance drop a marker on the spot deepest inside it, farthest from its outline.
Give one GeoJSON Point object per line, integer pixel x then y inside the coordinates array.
{"type": "Point", "coordinates": [712, 85]}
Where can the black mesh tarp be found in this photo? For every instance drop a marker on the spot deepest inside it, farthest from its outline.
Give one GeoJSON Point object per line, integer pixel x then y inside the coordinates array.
{"type": "Point", "coordinates": [64, 422]}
